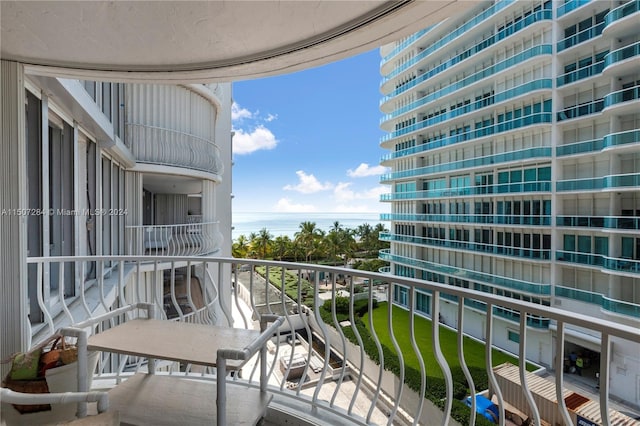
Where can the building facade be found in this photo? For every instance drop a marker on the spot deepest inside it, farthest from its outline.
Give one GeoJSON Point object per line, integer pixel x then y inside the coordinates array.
{"type": "Point", "coordinates": [514, 148]}
{"type": "Point", "coordinates": [100, 168]}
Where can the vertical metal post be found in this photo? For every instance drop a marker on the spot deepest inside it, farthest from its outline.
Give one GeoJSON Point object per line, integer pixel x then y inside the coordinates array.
{"type": "Point", "coordinates": [221, 398]}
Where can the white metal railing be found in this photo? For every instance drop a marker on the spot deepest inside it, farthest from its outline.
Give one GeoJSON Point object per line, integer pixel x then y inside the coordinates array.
{"type": "Point", "coordinates": [187, 239]}
{"type": "Point", "coordinates": [157, 145]}
{"type": "Point", "coordinates": [338, 377]}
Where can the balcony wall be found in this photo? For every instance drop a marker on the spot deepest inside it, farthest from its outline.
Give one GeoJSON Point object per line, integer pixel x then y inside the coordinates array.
{"type": "Point", "coordinates": [173, 126]}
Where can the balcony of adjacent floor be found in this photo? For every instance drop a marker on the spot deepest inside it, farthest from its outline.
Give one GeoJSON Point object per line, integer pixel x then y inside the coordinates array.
{"type": "Point", "coordinates": [619, 265]}
{"type": "Point", "coordinates": [196, 238]}
{"type": "Point", "coordinates": [622, 21]}
{"type": "Point", "coordinates": [622, 102]}
{"type": "Point", "coordinates": [501, 159]}
{"type": "Point", "coordinates": [569, 6]}
{"type": "Point", "coordinates": [154, 148]}
{"type": "Point", "coordinates": [622, 61]}
{"type": "Point", "coordinates": [530, 55]}
{"type": "Point", "coordinates": [597, 303]}
{"type": "Point", "coordinates": [319, 366]}
{"type": "Point", "coordinates": [615, 142]}
{"type": "Point", "coordinates": [621, 182]}
{"type": "Point", "coordinates": [482, 219]}
{"type": "Point", "coordinates": [524, 27]}
{"type": "Point", "coordinates": [622, 224]}
{"type": "Point", "coordinates": [525, 253]}
{"type": "Point", "coordinates": [470, 191]}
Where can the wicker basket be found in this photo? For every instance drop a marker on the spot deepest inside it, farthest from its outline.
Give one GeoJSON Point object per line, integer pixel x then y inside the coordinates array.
{"type": "Point", "coordinates": [28, 386]}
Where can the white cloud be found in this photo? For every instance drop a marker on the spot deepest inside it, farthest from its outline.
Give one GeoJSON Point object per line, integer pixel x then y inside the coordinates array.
{"type": "Point", "coordinates": [343, 192]}
{"type": "Point", "coordinates": [238, 113]}
{"type": "Point", "coordinates": [308, 184]}
{"type": "Point", "coordinates": [271, 117]}
{"type": "Point", "coordinates": [286, 205]}
{"type": "Point", "coordinates": [259, 138]}
{"type": "Point", "coordinates": [364, 170]}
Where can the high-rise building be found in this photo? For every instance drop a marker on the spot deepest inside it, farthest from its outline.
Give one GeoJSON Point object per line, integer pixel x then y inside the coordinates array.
{"type": "Point", "coordinates": [514, 148]}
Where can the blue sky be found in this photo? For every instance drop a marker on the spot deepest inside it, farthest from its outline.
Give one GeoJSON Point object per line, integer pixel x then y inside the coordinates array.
{"type": "Point", "coordinates": [309, 141]}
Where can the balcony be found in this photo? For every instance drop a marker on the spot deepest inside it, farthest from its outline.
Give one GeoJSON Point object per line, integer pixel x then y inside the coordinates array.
{"type": "Point", "coordinates": [569, 6]}
{"type": "Point", "coordinates": [626, 223]}
{"type": "Point", "coordinates": [538, 16]}
{"type": "Point", "coordinates": [622, 20]}
{"type": "Point", "coordinates": [189, 239]}
{"type": "Point", "coordinates": [530, 154]}
{"type": "Point", "coordinates": [622, 61]}
{"type": "Point", "coordinates": [493, 219]}
{"type": "Point", "coordinates": [531, 54]}
{"type": "Point", "coordinates": [612, 182]}
{"type": "Point", "coordinates": [342, 385]}
{"type": "Point", "coordinates": [167, 147]}
{"type": "Point", "coordinates": [622, 101]}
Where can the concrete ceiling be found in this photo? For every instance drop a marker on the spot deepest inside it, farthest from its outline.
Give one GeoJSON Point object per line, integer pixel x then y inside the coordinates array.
{"type": "Point", "coordinates": [202, 41]}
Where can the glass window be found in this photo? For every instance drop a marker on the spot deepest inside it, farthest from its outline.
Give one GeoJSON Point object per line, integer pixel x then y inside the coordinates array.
{"type": "Point", "coordinates": [569, 243]}
{"type": "Point", "coordinates": [513, 336]}
{"type": "Point", "coordinates": [530, 175]}
{"type": "Point", "coordinates": [516, 176]}
{"type": "Point", "coordinates": [627, 248]}
{"type": "Point", "coordinates": [584, 244]}
{"type": "Point", "coordinates": [601, 245]}
{"type": "Point", "coordinates": [544, 174]}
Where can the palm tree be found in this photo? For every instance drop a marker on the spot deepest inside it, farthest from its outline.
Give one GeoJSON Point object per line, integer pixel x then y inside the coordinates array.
{"type": "Point", "coordinates": [281, 246]}
{"type": "Point", "coordinates": [263, 243]}
{"type": "Point", "coordinates": [240, 248]}
{"type": "Point", "coordinates": [253, 252]}
{"type": "Point", "coordinates": [307, 235]}
{"type": "Point", "coordinates": [365, 231]}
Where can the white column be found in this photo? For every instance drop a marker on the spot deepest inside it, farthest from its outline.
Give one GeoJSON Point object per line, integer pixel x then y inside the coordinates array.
{"type": "Point", "coordinates": [13, 228]}
{"type": "Point", "coordinates": [46, 242]}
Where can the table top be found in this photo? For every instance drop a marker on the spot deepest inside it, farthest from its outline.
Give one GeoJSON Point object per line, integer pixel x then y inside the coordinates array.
{"type": "Point", "coordinates": [174, 341]}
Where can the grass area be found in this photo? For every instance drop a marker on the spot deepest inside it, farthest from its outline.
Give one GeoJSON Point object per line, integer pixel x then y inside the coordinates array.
{"type": "Point", "coordinates": [474, 351]}
{"type": "Point", "coordinates": [290, 283]}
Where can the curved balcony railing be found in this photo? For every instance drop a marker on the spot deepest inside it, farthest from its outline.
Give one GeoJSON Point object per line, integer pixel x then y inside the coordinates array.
{"type": "Point", "coordinates": [607, 304]}
{"type": "Point", "coordinates": [576, 111]}
{"type": "Point", "coordinates": [156, 145]}
{"type": "Point", "coordinates": [503, 188]}
{"type": "Point", "coordinates": [524, 252]}
{"type": "Point", "coordinates": [514, 27]}
{"type": "Point", "coordinates": [505, 157]}
{"type": "Point", "coordinates": [502, 126]}
{"type": "Point", "coordinates": [581, 37]}
{"type": "Point", "coordinates": [482, 74]}
{"type": "Point", "coordinates": [493, 219]}
{"type": "Point", "coordinates": [605, 182]}
{"type": "Point", "coordinates": [188, 239]}
{"type": "Point", "coordinates": [616, 264]}
{"type": "Point", "coordinates": [609, 222]}
{"type": "Point", "coordinates": [609, 141]}
{"type": "Point", "coordinates": [622, 54]}
{"type": "Point", "coordinates": [480, 17]}
{"type": "Point", "coordinates": [622, 12]}
{"type": "Point", "coordinates": [405, 43]}
{"type": "Point", "coordinates": [582, 73]}
{"type": "Point", "coordinates": [621, 96]}
{"type": "Point", "coordinates": [514, 92]}
{"type": "Point", "coordinates": [336, 355]}
{"type": "Point", "coordinates": [570, 6]}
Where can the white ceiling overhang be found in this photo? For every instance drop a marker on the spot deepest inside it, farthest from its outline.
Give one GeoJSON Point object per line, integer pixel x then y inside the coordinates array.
{"type": "Point", "coordinates": [202, 41]}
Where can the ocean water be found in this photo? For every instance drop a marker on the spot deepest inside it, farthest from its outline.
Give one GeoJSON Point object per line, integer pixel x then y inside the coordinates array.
{"type": "Point", "coordinates": [289, 223]}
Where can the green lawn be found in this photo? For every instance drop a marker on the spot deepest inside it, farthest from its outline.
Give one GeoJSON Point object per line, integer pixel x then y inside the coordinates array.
{"type": "Point", "coordinates": [474, 352]}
